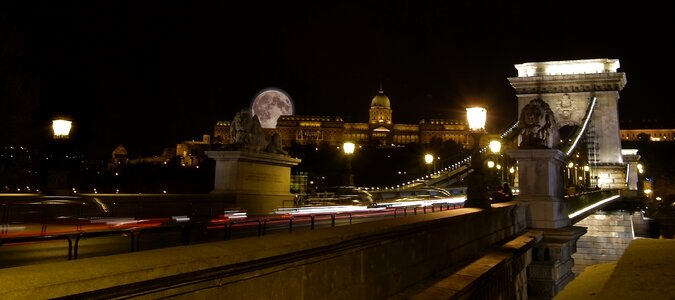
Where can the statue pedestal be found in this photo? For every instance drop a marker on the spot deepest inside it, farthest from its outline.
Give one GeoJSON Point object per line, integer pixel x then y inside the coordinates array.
{"type": "Point", "coordinates": [257, 182]}
{"type": "Point", "coordinates": [541, 186]}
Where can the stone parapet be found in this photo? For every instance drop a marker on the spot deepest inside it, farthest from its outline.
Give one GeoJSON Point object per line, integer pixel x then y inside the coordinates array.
{"type": "Point", "coordinates": [607, 237]}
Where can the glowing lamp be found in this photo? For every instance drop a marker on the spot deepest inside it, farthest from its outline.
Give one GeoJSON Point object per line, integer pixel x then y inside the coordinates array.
{"type": "Point", "coordinates": [476, 117]}
{"type": "Point", "coordinates": [348, 148]}
{"type": "Point", "coordinates": [429, 158]}
{"type": "Point", "coordinates": [61, 128]}
{"type": "Point", "coordinates": [495, 146]}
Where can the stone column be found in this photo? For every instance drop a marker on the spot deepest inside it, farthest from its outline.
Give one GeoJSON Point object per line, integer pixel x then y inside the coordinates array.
{"type": "Point", "coordinates": [541, 186]}
{"type": "Point", "coordinates": [257, 182]}
{"type": "Point", "coordinates": [631, 158]}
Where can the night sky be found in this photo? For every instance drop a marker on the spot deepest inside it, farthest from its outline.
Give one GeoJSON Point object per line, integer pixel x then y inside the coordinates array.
{"type": "Point", "coordinates": [150, 74]}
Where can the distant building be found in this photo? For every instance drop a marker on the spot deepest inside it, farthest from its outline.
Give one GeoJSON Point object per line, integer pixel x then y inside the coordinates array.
{"type": "Point", "coordinates": [221, 133]}
{"type": "Point", "coordinates": [647, 131]}
{"type": "Point", "coordinates": [380, 129]}
{"type": "Point", "coordinates": [648, 135]}
{"type": "Point", "coordinates": [191, 153]}
{"type": "Point", "coordinates": [120, 156]}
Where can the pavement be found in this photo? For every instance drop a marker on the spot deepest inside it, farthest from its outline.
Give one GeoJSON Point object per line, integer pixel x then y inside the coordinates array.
{"type": "Point", "coordinates": [646, 270]}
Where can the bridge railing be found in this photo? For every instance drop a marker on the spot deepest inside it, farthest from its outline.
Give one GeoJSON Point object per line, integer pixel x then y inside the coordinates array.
{"type": "Point", "coordinates": [583, 204]}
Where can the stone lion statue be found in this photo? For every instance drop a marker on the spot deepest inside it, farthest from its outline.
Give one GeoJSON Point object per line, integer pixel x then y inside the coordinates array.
{"type": "Point", "coordinates": [246, 134]}
{"type": "Point", "coordinates": [537, 126]}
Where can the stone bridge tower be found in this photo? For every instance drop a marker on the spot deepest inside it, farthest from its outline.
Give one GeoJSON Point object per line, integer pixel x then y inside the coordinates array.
{"type": "Point", "coordinates": [569, 87]}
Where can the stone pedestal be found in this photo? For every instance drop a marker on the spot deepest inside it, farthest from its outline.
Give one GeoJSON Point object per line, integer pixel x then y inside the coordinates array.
{"type": "Point", "coordinates": [552, 262]}
{"type": "Point", "coordinates": [256, 182]}
{"type": "Point", "coordinates": [541, 186]}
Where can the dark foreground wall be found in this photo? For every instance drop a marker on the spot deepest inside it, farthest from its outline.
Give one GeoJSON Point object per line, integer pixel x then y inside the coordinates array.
{"type": "Point", "coordinates": [374, 260]}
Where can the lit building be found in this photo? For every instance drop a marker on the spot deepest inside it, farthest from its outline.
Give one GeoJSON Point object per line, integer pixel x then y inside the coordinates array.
{"type": "Point", "coordinates": [380, 129]}
{"type": "Point", "coordinates": [120, 156]}
{"type": "Point", "coordinates": [647, 130]}
{"type": "Point", "coordinates": [191, 153]}
{"type": "Point", "coordinates": [648, 135]}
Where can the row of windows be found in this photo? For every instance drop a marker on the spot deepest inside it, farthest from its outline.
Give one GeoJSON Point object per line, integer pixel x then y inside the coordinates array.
{"type": "Point", "coordinates": [653, 135]}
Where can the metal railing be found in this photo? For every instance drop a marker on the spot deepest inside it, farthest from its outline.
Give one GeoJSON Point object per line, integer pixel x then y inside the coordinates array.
{"type": "Point", "coordinates": [134, 234]}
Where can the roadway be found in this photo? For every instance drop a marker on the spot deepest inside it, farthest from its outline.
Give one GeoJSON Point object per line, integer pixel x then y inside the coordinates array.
{"type": "Point", "coordinates": [37, 243]}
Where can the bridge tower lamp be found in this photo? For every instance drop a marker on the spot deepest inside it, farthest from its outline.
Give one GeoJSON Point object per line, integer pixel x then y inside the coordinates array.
{"type": "Point", "coordinates": [348, 148]}
{"type": "Point", "coordinates": [476, 190]}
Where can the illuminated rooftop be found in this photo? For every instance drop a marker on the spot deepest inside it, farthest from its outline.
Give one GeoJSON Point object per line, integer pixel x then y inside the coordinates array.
{"type": "Point", "coordinates": [568, 67]}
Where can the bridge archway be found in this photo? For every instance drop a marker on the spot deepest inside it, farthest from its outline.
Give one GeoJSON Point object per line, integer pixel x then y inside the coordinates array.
{"type": "Point", "coordinates": [571, 88]}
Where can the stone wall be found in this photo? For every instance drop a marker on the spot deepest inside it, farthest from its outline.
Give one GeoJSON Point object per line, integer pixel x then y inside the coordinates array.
{"type": "Point", "coordinates": [607, 237]}
{"type": "Point", "coordinates": [611, 176]}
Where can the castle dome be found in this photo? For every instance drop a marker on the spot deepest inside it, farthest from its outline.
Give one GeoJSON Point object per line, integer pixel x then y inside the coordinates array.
{"type": "Point", "coordinates": [380, 100]}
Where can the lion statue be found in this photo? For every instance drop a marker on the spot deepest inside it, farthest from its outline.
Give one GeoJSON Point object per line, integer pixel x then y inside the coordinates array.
{"type": "Point", "coordinates": [537, 126]}
{"type": "Point", "coordinates": [246, 134]}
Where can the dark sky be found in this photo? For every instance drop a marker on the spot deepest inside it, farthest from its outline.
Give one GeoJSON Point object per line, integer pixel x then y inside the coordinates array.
{"type": "Point", "coordinates": [149, 74]}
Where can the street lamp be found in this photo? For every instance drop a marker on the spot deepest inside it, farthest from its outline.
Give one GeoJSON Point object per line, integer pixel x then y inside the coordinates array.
{"type": "Point", "coordinates": [58, 170]}
{"type": "Point", "coordinates": [348, 148]}
{"type": "Point", "coordinates": [476, 190]}
{"type": "Point", "coordinates": [496, 147]}
{"type": "Point", "coordinates": [429, 159]}
{"type": "Point", "coordinates": [61, 128]}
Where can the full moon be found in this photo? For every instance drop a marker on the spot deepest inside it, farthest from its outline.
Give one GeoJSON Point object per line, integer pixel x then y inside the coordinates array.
{"type": "Point", "coordinates": [269, 104]}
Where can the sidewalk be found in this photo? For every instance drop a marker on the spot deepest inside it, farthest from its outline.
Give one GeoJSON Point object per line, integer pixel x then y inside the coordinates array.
{"type": "Point", "coordinates": [645, 271]}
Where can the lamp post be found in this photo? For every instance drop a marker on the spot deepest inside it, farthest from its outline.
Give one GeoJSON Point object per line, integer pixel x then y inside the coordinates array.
{"type": "Point", "coordinates": [348, 148]}
{"type": "Point", "coordinates": [58, 169]}
{"type": "Point", "coordinates": [495, 148]}
{"type": "Point", "coordinates": [511, 177]}
{"type": "Point", "coordinates": [429, 159]}
{"type": "Point", "coordinates": [476, 190]}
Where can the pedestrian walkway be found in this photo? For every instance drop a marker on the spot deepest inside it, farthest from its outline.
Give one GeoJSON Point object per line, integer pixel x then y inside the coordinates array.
{"type": "Point", "coordinates": [646, 270]}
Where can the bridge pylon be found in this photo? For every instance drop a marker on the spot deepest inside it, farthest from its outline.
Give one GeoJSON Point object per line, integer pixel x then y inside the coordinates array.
{"type": "Point", "coordinates": [569, 88]}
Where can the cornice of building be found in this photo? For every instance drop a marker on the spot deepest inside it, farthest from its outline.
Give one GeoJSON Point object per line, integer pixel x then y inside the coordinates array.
{"type": "Point", "coordinates": [569, 83]}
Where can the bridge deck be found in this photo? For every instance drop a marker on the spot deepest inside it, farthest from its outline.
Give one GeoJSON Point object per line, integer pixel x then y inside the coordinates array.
{"type": "Point", "coordinates": [645, 271]}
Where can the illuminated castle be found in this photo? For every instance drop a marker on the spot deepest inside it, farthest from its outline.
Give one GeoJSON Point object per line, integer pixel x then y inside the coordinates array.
{"type": "Point", "coordinates": [380, 129]}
